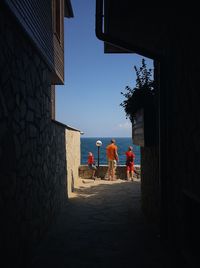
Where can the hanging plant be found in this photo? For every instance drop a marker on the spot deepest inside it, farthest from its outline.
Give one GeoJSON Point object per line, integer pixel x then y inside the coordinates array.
{"type": "Point", "coordinates": [142, 95]}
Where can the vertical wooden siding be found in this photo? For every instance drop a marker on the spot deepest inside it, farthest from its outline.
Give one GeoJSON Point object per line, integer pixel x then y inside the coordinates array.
{"type": "Point", "coordinates": [35, 17]}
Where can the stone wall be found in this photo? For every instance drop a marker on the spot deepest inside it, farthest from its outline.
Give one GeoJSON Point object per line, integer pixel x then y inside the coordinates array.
{"type": "Point", "coordinates": [32, 147]}
{"type": "Point", "coordinates": [85, 172]}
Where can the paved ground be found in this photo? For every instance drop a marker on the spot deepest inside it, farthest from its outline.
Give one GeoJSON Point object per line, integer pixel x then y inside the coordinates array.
{"type": "Point", "coordinates": [102, 226]}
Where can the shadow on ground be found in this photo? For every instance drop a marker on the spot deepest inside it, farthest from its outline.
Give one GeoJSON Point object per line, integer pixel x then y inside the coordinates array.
{"type": "Point", "coordinates": [102, 225]}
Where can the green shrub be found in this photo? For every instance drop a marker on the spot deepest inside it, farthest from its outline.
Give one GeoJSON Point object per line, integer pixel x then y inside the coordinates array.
{"type": "Point", "coordinates": [142, 94]}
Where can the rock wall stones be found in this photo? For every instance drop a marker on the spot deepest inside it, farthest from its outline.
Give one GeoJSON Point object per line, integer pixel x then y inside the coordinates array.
{"type": "Point", "coordinates": [32, 148]}
{"type": "Point", "coordinates": [85, 172]}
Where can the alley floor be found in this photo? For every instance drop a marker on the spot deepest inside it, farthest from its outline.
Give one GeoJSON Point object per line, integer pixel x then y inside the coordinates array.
{"type": "Point", "coordinates": [102, 225]}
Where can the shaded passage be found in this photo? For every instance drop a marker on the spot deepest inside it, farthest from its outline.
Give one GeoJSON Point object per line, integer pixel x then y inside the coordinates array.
{"type": "Point", "coordinates": [102, 226]}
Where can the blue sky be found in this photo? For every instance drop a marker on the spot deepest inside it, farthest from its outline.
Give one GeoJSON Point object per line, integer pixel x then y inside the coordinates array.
{"type": "Point", "coordinates": [90, 98]}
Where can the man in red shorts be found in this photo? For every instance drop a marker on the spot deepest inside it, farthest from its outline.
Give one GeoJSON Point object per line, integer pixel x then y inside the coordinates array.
{"type": "Point", "coordinates": [130, 156]}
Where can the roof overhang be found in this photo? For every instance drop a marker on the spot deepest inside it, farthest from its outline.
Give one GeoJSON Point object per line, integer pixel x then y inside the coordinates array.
{"type": "Point", "coordinates": [68, 11]}
{"type": "Point", "coordinates": [126, 28]}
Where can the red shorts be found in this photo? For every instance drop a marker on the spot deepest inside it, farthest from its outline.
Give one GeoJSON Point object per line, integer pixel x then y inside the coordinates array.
{"type": "Point", "coordinates": [130, 166]}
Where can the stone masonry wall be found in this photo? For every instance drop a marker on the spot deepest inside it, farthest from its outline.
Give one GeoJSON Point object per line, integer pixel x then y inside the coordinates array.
{"type": "Point", "coordinates": [32, 148]}
{"type": "Point", "coordinates": [85, 172]}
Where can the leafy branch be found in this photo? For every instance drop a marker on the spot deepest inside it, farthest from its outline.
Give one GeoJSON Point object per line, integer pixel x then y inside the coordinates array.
{"type": "Point", "coordinates": [142, 94]}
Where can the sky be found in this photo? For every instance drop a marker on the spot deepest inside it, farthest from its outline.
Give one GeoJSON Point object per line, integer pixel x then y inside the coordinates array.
{"type": "Point", "coordinates": [90, 98]}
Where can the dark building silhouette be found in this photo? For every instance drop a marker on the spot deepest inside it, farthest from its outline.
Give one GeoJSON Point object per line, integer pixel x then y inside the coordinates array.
{"type": "Point", "coordinates": [170, 166]}
{"type": "Point", "coordinates": [33, 178]}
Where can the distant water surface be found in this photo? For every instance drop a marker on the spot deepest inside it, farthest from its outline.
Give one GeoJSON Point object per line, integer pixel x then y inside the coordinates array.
{"type": "Point", "coordinates": [89, 145]}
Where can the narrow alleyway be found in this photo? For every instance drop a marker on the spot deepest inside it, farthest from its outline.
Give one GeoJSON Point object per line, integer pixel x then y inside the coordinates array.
{"type": "Point", "coordinates": [102, 226]}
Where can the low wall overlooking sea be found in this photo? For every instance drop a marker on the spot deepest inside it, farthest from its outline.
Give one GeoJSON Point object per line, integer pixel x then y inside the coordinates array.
{"type": "Point", "coordinates": [85, 172]}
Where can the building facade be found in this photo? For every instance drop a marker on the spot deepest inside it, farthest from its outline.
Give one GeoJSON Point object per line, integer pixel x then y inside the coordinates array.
{"type": "Point", "coordinates": [170, 168]}
{"type": "Point", "coordinates": [36, 175]}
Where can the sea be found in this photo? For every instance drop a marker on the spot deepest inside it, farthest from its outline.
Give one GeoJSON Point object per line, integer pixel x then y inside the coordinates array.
{"type": "Point", "coordinates": [89, 145]}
